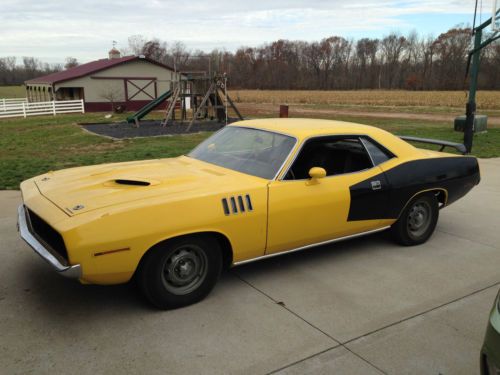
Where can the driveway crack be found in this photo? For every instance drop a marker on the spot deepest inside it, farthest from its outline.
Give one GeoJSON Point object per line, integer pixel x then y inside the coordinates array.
{"type": "Point", "coordinates": [337, 342]}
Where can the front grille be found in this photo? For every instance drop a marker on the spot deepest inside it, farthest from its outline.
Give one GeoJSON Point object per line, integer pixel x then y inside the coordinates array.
{"type": "Point", "coordinates": [45, 233]}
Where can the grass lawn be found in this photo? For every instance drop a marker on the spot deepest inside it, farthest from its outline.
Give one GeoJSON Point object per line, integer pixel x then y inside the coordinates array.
{"type": "Point", "coordinates": [32, 146]}
{"type": "Point", "coordinates": [12, 92]}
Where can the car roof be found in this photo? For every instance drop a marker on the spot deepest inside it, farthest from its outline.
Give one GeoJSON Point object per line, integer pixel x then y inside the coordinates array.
{"type": "Point", "coordinates": [303, 128]}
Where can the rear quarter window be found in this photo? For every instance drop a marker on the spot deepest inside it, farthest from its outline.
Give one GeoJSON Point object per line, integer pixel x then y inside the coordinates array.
{"type": "Point", "coordinates": [377, 153]}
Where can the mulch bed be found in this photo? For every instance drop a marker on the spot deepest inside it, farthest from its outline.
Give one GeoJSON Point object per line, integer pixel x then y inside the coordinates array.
{"type": "Point", "coordinates": [122, 130]}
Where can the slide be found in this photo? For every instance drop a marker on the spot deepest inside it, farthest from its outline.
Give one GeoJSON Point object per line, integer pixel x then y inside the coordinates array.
{"type": "Point", "coordinates": [149, 107]}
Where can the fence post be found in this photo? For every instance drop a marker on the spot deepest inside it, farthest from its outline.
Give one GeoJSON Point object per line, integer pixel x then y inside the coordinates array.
{"type": "Point", "coordinates": [54, 108]}
{"type": "Point", "coordinates": [83, 107]}
{"type": "Point", "coordinates": [3, 109]}
{"type": "Point", "coordinates": [283, 111]}
{"type": "Point", "coordinates": [24, 110]}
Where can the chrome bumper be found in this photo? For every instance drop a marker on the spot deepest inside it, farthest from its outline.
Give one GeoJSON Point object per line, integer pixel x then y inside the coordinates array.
{"type": "Point", "coordinates": [73, 272]}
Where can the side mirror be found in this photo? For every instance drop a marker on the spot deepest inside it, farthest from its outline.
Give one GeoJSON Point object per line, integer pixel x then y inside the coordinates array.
{"type": "Point", "coordinates": [317, 172]}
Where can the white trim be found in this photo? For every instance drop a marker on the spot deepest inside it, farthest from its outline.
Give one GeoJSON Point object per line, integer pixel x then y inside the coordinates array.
{"type": "Point", "coordinates": [311, 245]}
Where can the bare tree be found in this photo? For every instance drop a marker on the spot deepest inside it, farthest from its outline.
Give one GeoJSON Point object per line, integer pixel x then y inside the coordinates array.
{"type": "Point", "coordinates": [451, 52]}
{"type": "Point", "coordinates": [111, 94]}
{"type": "Point", "coordinates": [71, 62]}
{"type": "Point", "coordinates": [135, 44]}
{"type": "Point", "coordinates": [396, 61]}
{"type": "Point", "coordinates": [393, 47]}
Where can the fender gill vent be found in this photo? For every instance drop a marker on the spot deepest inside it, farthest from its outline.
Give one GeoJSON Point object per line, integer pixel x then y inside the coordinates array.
{"type": "Point", "coordinates": [132, 182]}
{"type": "Point", "coordinates": [225, 206]}
{"type": "Point", "coordinates": [240, 203]}
{"type": "Point", "coordinates": [249, 202]}
{"type": "Point", "coordinates": [237, 204]}
{"type": "Point", "coordinates": [233, 205]}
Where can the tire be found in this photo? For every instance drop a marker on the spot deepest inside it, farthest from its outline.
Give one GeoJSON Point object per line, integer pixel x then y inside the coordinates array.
{"type": "Point", "coordinates": [180, 272]}
{"type": "Point", "coordinates": [417, 221]}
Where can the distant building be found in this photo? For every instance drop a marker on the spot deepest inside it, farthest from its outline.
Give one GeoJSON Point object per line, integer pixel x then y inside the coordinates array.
{"type": "Point", "coordinates": [130, 81]}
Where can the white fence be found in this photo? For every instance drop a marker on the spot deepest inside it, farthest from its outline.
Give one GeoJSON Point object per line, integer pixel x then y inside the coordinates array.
{"type": "Point", "coordinates": [4, 102]}
{"type": "Point", "coordinates": [25, 109]}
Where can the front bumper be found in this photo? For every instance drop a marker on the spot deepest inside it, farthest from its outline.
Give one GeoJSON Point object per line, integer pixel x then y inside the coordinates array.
{"type": "Point", "coordinates": [71, 271]}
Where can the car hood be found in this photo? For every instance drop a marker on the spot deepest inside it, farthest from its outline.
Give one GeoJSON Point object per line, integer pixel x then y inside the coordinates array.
{"type": "Point", "coordinates": [79, 190]}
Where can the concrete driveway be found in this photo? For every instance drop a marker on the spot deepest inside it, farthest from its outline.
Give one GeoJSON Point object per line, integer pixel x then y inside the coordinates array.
{"type": "Point", "coordinates": [366, 306]}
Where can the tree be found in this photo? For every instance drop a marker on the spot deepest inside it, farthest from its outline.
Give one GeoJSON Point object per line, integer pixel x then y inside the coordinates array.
{"type": "Point", "coordinates": [393, 47]}
{"type": "Point", "coordinates": [111, 94]}
{"type": "Point", "coordinates": [71, 62]}
{"type": "Point", "coordinates": [155, 50]}
{"type": "Point", "coordinates": [451, 50]}
{"type": "Point", "coordinates": [135, 44]}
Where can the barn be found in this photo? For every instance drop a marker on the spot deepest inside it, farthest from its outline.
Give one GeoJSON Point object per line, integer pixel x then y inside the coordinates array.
{"type": "Point", "coordinates": [129, 81]}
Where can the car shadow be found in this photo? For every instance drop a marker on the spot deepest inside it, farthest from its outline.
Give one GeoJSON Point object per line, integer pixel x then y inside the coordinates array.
{"type": "Point", "coordinates": [314, 255]}
{"type": "Point", "coordinates": [56, 297]}
{"type": "Point", "coordinates": [59, 298]}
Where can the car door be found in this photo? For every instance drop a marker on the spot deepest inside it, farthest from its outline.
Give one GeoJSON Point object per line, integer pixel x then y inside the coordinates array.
{"type": "Point", "coordinates": [351, 198]}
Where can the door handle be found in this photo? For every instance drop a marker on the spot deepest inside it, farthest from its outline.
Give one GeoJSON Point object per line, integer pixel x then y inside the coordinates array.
{"type": "Point", "coordinates": [376, 185]}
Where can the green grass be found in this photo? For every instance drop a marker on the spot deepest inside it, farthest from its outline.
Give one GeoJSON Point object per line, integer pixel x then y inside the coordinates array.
{"type": "Point", "coordinates": [12, 92]}
{"type": "Point", "coordinates": [29, 147]}
{"type": "Point", "coordinates": [32, 146]}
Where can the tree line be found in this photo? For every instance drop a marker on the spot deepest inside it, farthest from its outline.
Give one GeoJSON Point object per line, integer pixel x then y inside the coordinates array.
{"type": "Point", "coordinates": [14, 73]}
{"type": "Point", "coordinates": [396, 61]}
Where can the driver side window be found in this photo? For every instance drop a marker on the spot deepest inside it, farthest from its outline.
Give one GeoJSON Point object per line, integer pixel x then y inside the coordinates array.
{"type": "Point", "coordinates": [337, 155]}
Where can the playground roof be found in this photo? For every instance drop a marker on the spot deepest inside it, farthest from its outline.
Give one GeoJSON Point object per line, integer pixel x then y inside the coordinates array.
{"type": "Point", "coordinates": [89, 68]}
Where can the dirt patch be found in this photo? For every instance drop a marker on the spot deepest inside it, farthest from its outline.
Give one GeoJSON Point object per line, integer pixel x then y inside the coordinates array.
{"type": "Point", "coordinates": [298, 111]}
{"type": "Point", "coordinates": [124, 130]}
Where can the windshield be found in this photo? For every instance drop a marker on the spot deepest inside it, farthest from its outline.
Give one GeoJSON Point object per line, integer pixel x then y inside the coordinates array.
{"type": "Point", "coordinates": [252, 151]}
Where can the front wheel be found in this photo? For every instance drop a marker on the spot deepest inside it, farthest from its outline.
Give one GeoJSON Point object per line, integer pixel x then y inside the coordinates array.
{"type": "Point", "coordinates": [180, 272]}
{"type": "Point", "coordinates": [417, 221]}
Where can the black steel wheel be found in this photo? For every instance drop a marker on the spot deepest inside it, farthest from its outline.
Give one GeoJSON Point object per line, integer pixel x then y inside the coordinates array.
{"type": "Point", "coordinates": [417, 221]}
{"type": "Point", "coordinates": [180, 272]}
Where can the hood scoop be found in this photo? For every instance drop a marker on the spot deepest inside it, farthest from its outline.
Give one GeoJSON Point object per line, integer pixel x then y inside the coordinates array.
{"type": "Point", "coordinates": [131, 182]}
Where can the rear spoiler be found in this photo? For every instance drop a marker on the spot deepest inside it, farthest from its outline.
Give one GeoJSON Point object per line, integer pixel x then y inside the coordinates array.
{"type": "Point", "coordinates": [457, 146]}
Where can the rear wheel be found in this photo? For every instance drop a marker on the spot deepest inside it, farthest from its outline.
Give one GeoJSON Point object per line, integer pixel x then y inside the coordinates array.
{"type": "Point", "coordinates": [180, 272]}
{"type": "Point", "coordinates": [417, 221]}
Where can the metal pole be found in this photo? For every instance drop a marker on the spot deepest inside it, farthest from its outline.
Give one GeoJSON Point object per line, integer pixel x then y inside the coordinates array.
{"type": "Point", "coordinates": [470, 108]}
{"type": "Point", "coordinates": [225, 93]}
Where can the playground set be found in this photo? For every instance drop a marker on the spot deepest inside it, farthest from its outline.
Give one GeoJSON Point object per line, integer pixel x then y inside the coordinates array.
{"type": "Point", "coordinates": [200, 97]}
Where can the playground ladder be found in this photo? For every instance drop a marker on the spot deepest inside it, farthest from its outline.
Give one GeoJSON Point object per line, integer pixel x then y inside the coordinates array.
{"type": "Point", "coordinates": [171, 106]}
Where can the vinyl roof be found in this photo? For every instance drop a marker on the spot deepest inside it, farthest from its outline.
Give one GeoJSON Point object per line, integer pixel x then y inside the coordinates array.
{"type": "Point", "coordinates": [89, 68]}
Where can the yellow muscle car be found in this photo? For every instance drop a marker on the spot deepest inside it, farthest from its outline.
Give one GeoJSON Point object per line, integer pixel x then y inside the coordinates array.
{"type": "Point", "coordinates": [253, 190]}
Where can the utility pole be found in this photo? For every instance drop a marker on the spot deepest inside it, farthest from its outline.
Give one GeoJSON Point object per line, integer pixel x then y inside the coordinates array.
{"type": "Point", "coordinates": [474, 60]}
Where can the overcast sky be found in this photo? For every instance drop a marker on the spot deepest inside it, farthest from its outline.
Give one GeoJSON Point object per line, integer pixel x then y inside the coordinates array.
{"type": "Point", "coordinates": [85, 29]}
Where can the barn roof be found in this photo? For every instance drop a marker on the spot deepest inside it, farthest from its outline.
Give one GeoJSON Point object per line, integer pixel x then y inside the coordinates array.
{"type": "Point", "coordinates": [89, 68]}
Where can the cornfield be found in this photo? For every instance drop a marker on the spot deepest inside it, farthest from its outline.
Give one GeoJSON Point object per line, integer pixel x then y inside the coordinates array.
{"type": "Point", "coordinates": [485, 99]}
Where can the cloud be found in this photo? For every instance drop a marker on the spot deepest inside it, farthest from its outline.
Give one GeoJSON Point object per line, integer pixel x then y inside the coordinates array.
{"type": "Point", "coordinates": [52, 30]}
